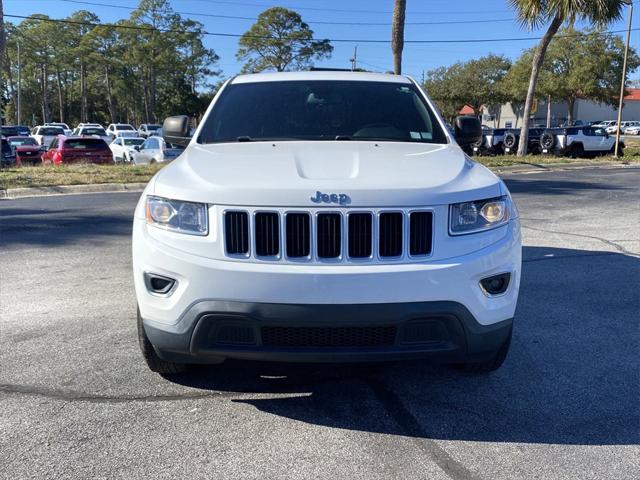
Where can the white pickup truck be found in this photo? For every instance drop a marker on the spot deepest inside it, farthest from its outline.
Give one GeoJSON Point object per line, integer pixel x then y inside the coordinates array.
{"type": "Point", "coordinates": [325, 217]}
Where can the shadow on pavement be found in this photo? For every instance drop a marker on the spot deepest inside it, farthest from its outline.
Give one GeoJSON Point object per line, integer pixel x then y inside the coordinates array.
{"type": "Point", "coordinates": [555, 186]}
{"type": "Point", "coordinates": [571, 376]}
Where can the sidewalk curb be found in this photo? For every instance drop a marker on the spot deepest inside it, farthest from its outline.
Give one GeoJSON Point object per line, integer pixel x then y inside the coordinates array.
{"type": "Point", "coordinates": [14, 193]}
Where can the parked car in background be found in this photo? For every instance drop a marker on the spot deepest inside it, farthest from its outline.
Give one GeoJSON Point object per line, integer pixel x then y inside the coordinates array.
{"type": "Point", "coordinates": [45, 135]}
{"type": "Point", "coordinates": [123, 148]}
{"type": "Point", "coordinates": [64, 150]}
{"type": "Point", "coordinates": [64, 126]}
{"type": "Point", "coordinates": [9, 130]}
{"type": "Point", "coordinates": [605, 124]}
{"type": "Point", "coordinates": [491, 143]}
{"type": "Point", "coordinates": [148, 129]}
{"type": "Point", "coordinates": [633, 129]}
{"type": "Point", "coordinates": [23, 130]}
{"type": "Point", "coordinates": [577, 142]}
{"type": "Point", "coordinates": [612, 129]}
{"type": "Point", "coordinates": [26, 149]}
{"type": "Point", "coordinates": [7, 156]}
{"type": "Point", "coordinates": [88, 131]}
{"type": "Point", "coordinates": [89, 125]}
{"type": "Point", "coordinates": [121, 130]}
{"type": "Point", "coordinates": [511, 141]}
{"type": "Point", "coordinates": [156, 150]}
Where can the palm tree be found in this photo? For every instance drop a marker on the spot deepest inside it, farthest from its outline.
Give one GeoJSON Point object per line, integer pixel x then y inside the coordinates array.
{"type": "Point", "coordinates": [397, 34]}
{"type": "Point", "coordinates": [535, 13]}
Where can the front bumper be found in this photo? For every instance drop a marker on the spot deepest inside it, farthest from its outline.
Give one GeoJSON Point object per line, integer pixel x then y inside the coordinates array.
{"type": "Point", "coordinates": [439, 302]}
{"type": "Point", "coordinates": [212, 331]}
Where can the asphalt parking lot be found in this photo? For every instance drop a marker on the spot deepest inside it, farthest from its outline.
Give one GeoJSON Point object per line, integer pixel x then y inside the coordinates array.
{"type": "Point", "coordinates": [77, 401]}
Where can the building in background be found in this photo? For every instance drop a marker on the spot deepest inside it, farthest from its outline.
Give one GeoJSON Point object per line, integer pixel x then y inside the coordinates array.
{"type": "Point", "coordinates": [506, 116]}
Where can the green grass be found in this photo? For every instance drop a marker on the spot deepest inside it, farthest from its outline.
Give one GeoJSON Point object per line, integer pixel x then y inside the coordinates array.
{"type": "Point", "coordinates": [41, 176]}
{"type": "Point", "coordinates": [631, 155]}
{"type": "Point", "coordinates": [91, 174]}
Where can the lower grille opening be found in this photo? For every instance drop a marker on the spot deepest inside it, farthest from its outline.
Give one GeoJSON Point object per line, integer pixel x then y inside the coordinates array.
{"type": "Point", "coordinates": [374, 336]}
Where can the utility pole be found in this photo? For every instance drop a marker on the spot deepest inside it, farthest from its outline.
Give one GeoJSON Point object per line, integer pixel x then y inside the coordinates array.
{"type": "Point", "coordinates": [354, 59]}
{"type": "Point", "coordinates": [19, 105]}
{"type": "Point", "coordinates": [624, 79]}
{"type": "Point", "coordinates": [549, 111]}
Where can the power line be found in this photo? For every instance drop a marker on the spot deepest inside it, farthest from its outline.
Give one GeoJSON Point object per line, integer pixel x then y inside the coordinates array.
{"type": "Point", "coordinates": [312, 22]}
{"type": "Point", "coordinates": [336, 40]}
{"type": "Point", "coordinates": [343, 10]}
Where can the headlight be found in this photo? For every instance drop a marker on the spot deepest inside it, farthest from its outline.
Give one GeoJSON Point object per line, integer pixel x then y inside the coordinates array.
{"type": "Point", "coordinates": [183, 217]}
{"type": "Point", "coordinates": [473, 217]}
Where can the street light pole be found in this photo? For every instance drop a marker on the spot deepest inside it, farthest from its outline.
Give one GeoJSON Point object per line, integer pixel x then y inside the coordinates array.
{"type": "Point", "coordinates": [624, 78]}
{"type": "Point", "coordinates": [19, 105]}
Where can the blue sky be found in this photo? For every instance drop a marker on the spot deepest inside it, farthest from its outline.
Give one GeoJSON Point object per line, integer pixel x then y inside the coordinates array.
{"type": "Point", "coordinates": [494, 19]}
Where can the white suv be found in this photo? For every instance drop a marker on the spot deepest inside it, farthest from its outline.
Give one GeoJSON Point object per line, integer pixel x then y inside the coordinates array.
{"type": "Point", "coordinates": [121, 130]}
{"type": "Point", "coordinates": [325, 217]}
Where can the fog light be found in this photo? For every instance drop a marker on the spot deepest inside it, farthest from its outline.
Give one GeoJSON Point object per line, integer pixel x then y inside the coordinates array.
{"type": "Point", "coordinates": [496, 284]}
{"type": "Point", "coordinates": [158, 284]}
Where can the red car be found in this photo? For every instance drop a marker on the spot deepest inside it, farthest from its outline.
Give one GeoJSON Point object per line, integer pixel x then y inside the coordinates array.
{"type": "Point", "coordinates": [65, 150]}
{"type": "Point", "coordinates": [26, 149]}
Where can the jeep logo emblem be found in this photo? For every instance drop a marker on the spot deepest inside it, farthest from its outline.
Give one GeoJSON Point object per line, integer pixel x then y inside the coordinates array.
{"type": "Point", "coordinates": [339, 198]}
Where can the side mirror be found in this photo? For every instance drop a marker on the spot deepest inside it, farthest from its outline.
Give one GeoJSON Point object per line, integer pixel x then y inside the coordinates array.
{"type": "Point", "coordinates": [468, 130]}
{"type": "Point", "coordinates": [176, 130]}
{"type": "Point", "coordinates": [137, 147]}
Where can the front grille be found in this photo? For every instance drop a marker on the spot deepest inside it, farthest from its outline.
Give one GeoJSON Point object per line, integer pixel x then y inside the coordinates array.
{"type": "Point", "coordinates": [316, 235]}
{"type": "Point", "coordinates": [390, 234]}
{"type": "Point", "coordinates": [267, 234]}
{"type": "Point", "coordinates": [329, 235]}
{"type": "Point", "coordinates": [237, 232]}
{"type": "Point", "coordinates": [360, 226]}
{"type": "Point", "coordinates": [375, 336]}
{"type": "Point", "coordinates": [420, 233]}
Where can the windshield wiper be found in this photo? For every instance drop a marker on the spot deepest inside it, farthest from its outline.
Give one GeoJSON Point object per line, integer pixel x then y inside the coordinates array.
{"type": "Point", "coordinates": [244, 138]}
{"type": "Point", "coordinates": [343, 137]}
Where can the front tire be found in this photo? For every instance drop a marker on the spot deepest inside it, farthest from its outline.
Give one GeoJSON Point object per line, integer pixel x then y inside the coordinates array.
{"type": "Point", "coordinates": [493, 363]}
{"type": "Point", "coordinates": [154, 362]}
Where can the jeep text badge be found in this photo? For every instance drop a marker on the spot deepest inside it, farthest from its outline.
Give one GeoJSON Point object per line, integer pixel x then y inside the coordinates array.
{"type": "Point", "coordinates": [340, 198]}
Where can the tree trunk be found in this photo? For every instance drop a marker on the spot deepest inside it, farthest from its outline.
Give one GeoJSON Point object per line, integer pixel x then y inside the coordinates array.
{"type": "Point", "coordinates": [60, 96]}
{"type": "Point", "coordinates": [45, 93]}
{"type": "Point", "coordinates": [112, 107]}
{"type": "Point", "coordinates": [10, 84]}
{"type": "Point", "coordinates": [538, 58]}
{"type": "Point", "coordinates": [83, 94]}
{"type": "Point", "coordinates": [397, 34]}
{"type": "Point", "coordinates": [571, 104]}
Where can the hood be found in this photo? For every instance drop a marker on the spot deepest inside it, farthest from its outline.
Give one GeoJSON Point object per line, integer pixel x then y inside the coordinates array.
{"type": "Point", "coordinates": [291, 173]}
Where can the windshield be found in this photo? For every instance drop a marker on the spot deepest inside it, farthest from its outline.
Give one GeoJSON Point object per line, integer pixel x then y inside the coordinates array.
{"type": "Point", "coordinates": [16, 142]}
{"type": "Point", "coordinates": [130, 142]}
{"type": "Point", "coordinates": [85, 143]}
{"type": "Point", "coordinates": [51, 131]}
{"type": "Point", "coordinates": [93, 131]}
{"type": "Point", "coordinates": [124, 127]}
{"type": "Point", "coordinates": [321, 110]}
{"type": "Point", "coordinates": [153, 127]}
